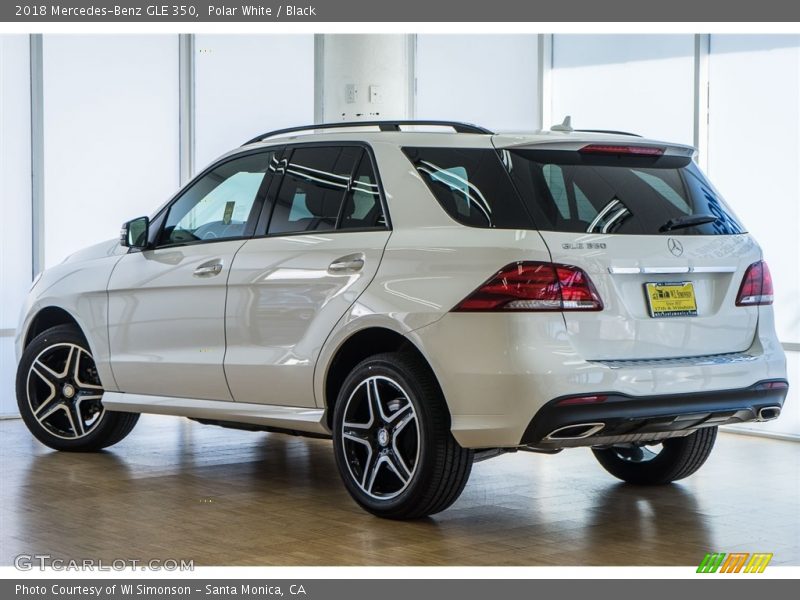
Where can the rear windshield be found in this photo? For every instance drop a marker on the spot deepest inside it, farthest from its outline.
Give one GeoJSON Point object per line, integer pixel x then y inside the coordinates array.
{"type": "Point", "coordinates": [571, 192]}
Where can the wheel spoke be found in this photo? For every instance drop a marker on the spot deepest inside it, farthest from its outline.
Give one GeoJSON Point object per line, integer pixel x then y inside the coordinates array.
{"type": "Point", "coordinates": [41, 408]}
{"type": "Point", "coordinates": [50, 412]}
{"type": "Point", "coordinates": [76, 419]}
{"type": "Point", "coordinates": [70, 417]}
{"type": "Point", "coordinates": [67, 364]}
{"type": "Point", "coordinates": [79, 405]}
{"type": "Point", "coordinates": [371, 472]}
{"type": "Point", "coordinates": [403, 410]}
{"type": "Point", "coordinates": [401, 424]}
{"type": "Point", "coordinates": [77, 377]}
{"type": "Point", "coordinates": [371, 420]}
{"type": "Point", "coordinates": [356, 435]}
{"type": "Point", "coordinates": [46, 374]}
{"type": "Point", "coordinates": [351, 425]}
{"type": "Point", "coordinates": [83, 397]}
{"type": "Point", "coordinates": [50, 396]}
{"type": "Point", "coordinates": [374, 398]}
{"type": "Point", "coordinates": [399, 465]}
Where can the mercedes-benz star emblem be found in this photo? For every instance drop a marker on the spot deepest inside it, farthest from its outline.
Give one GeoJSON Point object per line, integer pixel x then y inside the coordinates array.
{"type": "Point", "coordinates": [675, 246]}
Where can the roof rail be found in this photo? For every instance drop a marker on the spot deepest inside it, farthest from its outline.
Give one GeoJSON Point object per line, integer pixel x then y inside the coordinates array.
{"type": "Point", "coordinates": [611, 131]}
{"type": "Point", "coordinates": [382, 125]}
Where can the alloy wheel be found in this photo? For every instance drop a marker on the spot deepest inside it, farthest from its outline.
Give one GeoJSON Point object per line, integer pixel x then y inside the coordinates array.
{"type": "Point", "coordinates": [64, 391]}
{"type": "Point", "coordinates": [380, 437]}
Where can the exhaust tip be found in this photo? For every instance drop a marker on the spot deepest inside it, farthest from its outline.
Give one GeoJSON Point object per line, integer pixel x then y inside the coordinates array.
{"type": "Point", "coordinates": [768, 413]}
{"type": "Point", "coordinates": [575, 432]}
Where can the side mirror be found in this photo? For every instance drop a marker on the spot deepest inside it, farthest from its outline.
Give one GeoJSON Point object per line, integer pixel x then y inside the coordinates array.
{"type": "Point", "coordinates": [134, 233]}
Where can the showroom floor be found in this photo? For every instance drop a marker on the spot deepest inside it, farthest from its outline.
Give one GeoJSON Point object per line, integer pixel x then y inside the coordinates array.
{"type": "Point", "coordinates": [176, 489]}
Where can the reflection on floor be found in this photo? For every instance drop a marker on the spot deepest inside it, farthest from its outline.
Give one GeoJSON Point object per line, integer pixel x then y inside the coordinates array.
{"type": "Point", "coordinates": [176, 489]}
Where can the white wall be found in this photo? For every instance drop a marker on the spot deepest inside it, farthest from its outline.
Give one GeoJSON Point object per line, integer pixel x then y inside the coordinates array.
{"type": "Point", "coordinates": [754, 160]}
{"type": "Point", "coordinates": [364, 61]}
{"type": "Point", "coordinates": [247, 85]}
{"type": "Point", "coordinates": [15, 202]}
{"type": "Point", "coordinates": [638, 83]}
{"type": "Point", "coordinates": [111, 134]}
{"type": "Point", "coordinates": [488, 80]}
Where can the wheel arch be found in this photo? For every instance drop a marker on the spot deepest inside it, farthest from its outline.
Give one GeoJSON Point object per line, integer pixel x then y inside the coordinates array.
{"type": "Point", "coordinates": [46, 318]}
{"type": "Point", "coordinates": [355, 348]}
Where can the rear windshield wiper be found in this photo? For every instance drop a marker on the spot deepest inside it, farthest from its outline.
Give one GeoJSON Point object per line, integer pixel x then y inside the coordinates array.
{"type": "Point", "coordinates": [687, 221]}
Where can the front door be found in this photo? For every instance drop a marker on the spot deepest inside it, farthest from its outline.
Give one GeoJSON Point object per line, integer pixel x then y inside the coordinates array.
{"type": "Point", "coordinates": [167, 303]}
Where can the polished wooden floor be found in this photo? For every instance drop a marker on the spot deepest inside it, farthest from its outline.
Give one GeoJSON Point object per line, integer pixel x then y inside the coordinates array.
{"type": "Point", "coordinates": [176, 489]}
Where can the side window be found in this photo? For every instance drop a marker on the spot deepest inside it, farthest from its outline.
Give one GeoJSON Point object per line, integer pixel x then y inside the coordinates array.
{"type": "Point", "coordinates": [218, 205]}
{"type": "Point", "coordinates": [362, 204]}
{"type": "Point", "coordinates": [313, 188]}
{"type": "Point", "coordinates": [472, 185]}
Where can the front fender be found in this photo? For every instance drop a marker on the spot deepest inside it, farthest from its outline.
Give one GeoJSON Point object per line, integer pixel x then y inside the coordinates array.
{"type": "Point", "coordinates": [77, 287]}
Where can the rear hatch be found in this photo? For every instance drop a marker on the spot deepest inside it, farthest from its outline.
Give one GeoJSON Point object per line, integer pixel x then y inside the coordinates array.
{"type": "Point", "coordinates": [664, 251]}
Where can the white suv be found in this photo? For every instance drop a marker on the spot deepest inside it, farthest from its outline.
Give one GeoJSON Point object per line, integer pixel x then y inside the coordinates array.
{"type": "Point", "coordinates": [426, 298]}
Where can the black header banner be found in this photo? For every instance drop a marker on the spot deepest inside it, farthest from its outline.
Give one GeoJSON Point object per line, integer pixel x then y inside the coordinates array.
{"type": "Point", "coordinates": [463, 11]}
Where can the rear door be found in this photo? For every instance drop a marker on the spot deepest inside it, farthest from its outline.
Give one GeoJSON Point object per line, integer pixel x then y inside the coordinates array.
{"type": "Point", "coordinates": [314, 254]}
{"type": "Point", "coordinates": [664, 251]}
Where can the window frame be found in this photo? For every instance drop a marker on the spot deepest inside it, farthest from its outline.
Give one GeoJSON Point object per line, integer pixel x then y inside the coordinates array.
{"type": "Point", "coordinates": [268, 206]}
{"type": "Point", "coordinates": [160, 218]}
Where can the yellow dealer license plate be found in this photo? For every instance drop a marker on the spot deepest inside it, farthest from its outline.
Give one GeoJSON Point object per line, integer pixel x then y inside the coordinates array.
{"type": "Point", "coordinates": [671, 299]}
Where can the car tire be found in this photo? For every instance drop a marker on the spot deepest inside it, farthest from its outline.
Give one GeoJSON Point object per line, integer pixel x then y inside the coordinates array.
{"type": "Point", "coordinates": [59, 394]}
{"type": "Point", "coordinates": [678, 458]}
{"type": "Point", "coordinates": [392, 440]}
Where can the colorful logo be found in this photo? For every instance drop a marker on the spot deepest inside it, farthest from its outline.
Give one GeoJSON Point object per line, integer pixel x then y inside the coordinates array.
{"type": "Point", "coordinates": [735, 562]}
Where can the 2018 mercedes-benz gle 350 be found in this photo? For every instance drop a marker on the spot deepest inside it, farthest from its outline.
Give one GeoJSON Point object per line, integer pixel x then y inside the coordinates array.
{"type": "Point", "coordinates": [427, 296]}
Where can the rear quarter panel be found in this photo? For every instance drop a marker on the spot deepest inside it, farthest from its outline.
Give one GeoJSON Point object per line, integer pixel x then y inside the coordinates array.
{"type": "Point", "coordinates": [430, 262]}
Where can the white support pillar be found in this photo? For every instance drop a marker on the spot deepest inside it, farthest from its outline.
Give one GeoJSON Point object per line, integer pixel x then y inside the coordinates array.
{"type": "Point", "coordinates": [186, 110]}
{"type": "Point", "coordinates": [545, 84]}
{"type": "Point", "coordinates": [37, 152]}
{"type": "Point", "coordinates": [363, 77]}
{"type": "Point", "coordinates": [702, 47]}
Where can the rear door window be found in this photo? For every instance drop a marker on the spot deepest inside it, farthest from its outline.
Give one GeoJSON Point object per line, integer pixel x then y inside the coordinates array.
{"type": "Point", "coordinates": [313, 188]}
{"type": "Point", "coordinates": [327, 188]}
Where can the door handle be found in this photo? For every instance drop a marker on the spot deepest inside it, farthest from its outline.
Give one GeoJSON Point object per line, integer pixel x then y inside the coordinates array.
{"type": "Point", "coordinates": [347, 264]}
{"type": "Point", "coordinates": [208, 269]}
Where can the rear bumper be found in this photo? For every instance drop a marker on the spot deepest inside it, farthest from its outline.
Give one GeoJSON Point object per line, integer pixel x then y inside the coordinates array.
{"type": "Point", "coordinates": [620, 418]}
{"type": "Point", "coordinates": [498, 371]}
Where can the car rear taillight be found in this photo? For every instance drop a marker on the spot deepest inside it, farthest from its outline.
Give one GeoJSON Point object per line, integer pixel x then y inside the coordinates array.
{"type": "Point", "coordinates": [756, 286]}
{"type": "Point", "coordinates": [621, 149]}
{"type": "Point", "coordinates": [534, 286]}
